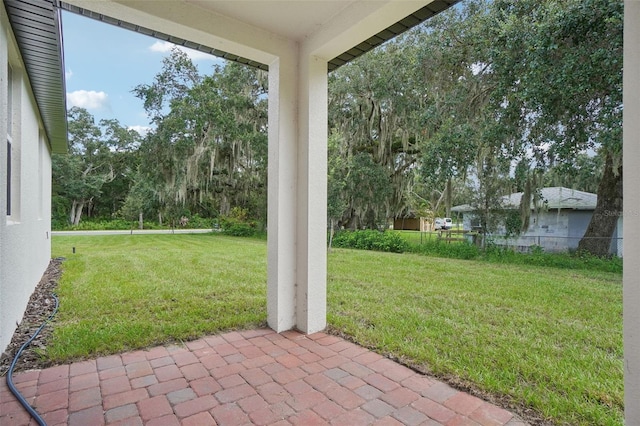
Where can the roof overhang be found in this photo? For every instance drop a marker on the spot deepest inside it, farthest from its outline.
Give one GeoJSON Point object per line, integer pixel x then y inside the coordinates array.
{"type": "Point", "coordinates": [249, 31]}
{"type": "Point", "coordinates": [37, 28]}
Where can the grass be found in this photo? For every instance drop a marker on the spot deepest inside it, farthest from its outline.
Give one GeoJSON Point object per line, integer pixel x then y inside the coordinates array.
{"type": "Point", "coordinates": [545, 338]}
{"type": "Point", "coordinates": [123, 292]}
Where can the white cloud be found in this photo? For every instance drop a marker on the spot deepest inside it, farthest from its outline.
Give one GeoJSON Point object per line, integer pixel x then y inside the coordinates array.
{"type": "Point", "coordinates": [142, 130]}
{"type": "Point", "coordinates": [88, 99]}
{"type": "Point", "coordinates": [194, 55]}
{"type": "Point", "coordinates": [68, 74]}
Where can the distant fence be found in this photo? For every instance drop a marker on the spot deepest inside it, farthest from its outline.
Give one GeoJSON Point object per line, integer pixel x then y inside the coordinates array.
{"type": "Point", "coordinates": [524, 244]}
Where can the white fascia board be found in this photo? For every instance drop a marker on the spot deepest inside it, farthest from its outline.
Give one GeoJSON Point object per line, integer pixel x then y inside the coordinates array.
{"type": "Point", "coordinates": [195, 24]}
{"type": "Point", "coordinates": [358, 22]}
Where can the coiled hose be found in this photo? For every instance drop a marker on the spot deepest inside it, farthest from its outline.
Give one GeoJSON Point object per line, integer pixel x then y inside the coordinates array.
{"type": "Point", "coordinates": [12, 387]}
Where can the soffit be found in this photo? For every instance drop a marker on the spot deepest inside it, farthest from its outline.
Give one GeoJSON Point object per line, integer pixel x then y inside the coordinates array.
{"type": "Point", "coordinates": [36, 26]}
{"type": "Point", "coordinates": [295, 20]}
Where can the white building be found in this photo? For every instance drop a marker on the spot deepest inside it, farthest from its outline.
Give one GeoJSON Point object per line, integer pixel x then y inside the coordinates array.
{"type": "Point", "coordinates": [298, 41]}
{"type": "Point", "coordinates": [33, 118]}
{"type": "Point", "coordinates": [557, 223]}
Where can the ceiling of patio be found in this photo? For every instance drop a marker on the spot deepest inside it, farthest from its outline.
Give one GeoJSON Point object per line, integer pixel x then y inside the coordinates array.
{"type": "Point", "coordinates": [256, 23]}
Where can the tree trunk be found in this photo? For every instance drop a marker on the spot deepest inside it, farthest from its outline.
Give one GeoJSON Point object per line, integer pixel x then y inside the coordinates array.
{"type": "Point", "coordinates": [72, 214]}
{"type": "Point", "coordinates": [597, 238]}
{"type": "Point", "coordinates": [332, 225]}
{"type": "Point", "coordinates": [140, 222]}
{"type": "Point", "coordinates": [78, 213]}
{"type": "Point", "coordinates": [448, 198]}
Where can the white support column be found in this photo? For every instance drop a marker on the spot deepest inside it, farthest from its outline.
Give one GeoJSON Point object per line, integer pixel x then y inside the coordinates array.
{"type": "Point", "coordinates": [311, 302]}
{"type": "Point", "coordinates": [297, 259]}
{"type": "Point", "coordinates": [282, 184]}
{"type": "Point", "coordinates": [631, 196]}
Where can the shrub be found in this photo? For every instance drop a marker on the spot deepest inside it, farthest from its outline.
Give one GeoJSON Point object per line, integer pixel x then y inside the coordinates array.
{"type": "Point", "coordinates": [460, 250]}
{"type": "Point", "coordinates": [371, 240]}
{"type": "Point", "coordinates": [538, 257]}
{"type": "Point", "coordinates": [197, 222]}
{"type": "Point", "coordinates": [101, 225]}
{"type": "Point", "coordinates": [238, 224]}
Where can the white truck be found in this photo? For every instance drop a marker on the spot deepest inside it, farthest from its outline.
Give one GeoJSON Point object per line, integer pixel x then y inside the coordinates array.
{"type": "Point", "coordinates": [442, 223]}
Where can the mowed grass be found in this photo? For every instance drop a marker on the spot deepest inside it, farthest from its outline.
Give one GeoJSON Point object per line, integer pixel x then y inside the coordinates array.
{"type": "Point", "coordinates": [129, 291]}
{"type": "Point", "coordinates": [549, 339]}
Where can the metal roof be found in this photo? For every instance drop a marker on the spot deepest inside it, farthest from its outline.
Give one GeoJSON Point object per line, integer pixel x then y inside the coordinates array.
{"type": "Point", "coordinates": [399, 27]}
{"type": "Point", "coordinates": [36, 26]}
{"type": "Point", "coordinates": [553, 198]}
{"type": "Point", "coordinates": [559, 197]}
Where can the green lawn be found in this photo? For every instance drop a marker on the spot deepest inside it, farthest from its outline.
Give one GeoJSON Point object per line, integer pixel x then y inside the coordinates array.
{"type": "Point", "coordinates": [550, 339]}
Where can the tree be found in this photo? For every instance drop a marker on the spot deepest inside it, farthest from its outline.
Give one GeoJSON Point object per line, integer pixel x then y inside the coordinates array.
{"type": "Point", "coordinates": [123, 146]}
{"type": "Point", "coordinates": [80, 175]}
{"type": "Point", "coordinates": [209, 148]}
{"type": "Point", "coordinates": [582, 173]}
{"type": "Point", "coordinates": [336, 199]}
{"type": "Point", "coordinates": [372, 104]}
{"type": "Point", "coordinates": [560, 70]}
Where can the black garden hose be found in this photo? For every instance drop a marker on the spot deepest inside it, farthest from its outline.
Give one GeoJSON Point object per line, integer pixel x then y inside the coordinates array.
{"type": "Point", "coordinates": [12, 388]}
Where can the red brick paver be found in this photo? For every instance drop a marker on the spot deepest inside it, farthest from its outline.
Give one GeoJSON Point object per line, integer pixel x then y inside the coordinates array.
{"type": "Point", "coordinates": [250, 377]}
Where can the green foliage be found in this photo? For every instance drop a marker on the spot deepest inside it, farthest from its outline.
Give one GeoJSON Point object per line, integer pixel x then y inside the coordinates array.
{"type": "Point", "coordinates": [95, 224]}
{"type": "Point", "coordinates": [538, 257]}
{"type": "Point", "coordinates": [465, 250]}
{"type": "Point", "coordinates": [512, 222]}
{"type": "Point", "coordinates": [100, 225]}
{"type": "Point", "coordinates": [457, 250]}
{"type": "Point", "coordinates": [553, 337]}
{"type": "Point", "coordinates": [238, 224]}
{"type": "Point", "coordinates": [127, 292]}
{"type": "Point", "coordinates": [197, 222]}
{"type": "Point", "coordinates": [371, 240]}
{"type": "Point", "coordinates": [209, 149]}
{"type": "Point", "coordinates": [96, 173]}
{"type": "Point", "coordinates": [547, 339]}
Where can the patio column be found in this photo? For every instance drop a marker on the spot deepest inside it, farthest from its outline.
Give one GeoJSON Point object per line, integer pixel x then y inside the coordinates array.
{"type": "Point", "coordinates": [297, 259]}
{"type": "Point", "coordinates": [631, 196]}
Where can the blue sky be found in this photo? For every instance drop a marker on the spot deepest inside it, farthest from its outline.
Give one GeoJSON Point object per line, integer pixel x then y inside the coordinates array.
{"type": "Point", "coordinates": [103, 63]}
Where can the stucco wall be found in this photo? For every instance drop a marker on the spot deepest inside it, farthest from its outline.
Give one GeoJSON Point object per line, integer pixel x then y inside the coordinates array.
{"type": "Point", "coordinates": [25, 244]}
{"type": "Point", "coordinates": [554, 231]}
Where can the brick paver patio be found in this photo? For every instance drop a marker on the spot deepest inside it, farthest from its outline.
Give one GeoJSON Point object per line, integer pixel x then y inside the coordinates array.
{"type": "Point", "coordinates": [240, 378]}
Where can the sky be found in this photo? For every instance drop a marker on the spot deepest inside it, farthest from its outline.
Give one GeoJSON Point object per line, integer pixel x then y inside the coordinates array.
{"type": "Point", "coordinates": [103, 63]}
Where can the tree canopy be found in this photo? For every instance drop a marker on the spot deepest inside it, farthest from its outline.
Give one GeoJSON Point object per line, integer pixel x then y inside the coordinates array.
{"type": "Point", "coordinates": [485, 99]}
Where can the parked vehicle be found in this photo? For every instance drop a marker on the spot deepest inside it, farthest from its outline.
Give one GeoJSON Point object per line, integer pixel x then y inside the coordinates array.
{"type": "Point", "coordinates": [442, 223]}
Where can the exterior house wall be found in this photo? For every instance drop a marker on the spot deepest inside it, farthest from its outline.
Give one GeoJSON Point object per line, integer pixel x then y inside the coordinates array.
{"type": "Point", "coordinates": [553, 230]}
{"type": "Point", "coordinates": [25, 247]}
{"type": "Point", "coordinates": [548, 229]}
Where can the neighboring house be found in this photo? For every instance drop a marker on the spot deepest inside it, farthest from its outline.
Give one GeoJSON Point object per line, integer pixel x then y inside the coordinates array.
{"type": "Point", "coordinates": [557, 224]}
{"type": "Point", "coordinates": [33, 118]}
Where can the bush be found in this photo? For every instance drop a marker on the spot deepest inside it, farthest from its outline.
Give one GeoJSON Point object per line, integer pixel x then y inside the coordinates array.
{"type": "Point", "coordinates": [101, 225]}
{"type": "Point", "coordinates": [461, 250]}
{"type": "Point", "coordinates": [538, 257]}
{"type": "Point", "coordinates": [371, 240]}
{"type": "Point", "coordinates": [238, 224]}
{"type": "Point", "coordinates": [502, 254]}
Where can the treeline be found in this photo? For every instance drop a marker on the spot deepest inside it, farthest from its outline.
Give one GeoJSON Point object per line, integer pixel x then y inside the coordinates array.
{"type": "Point", "coordinates": [206, 154]}
{"type": "Point", "coordinates": [488, 98]}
